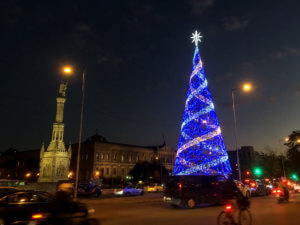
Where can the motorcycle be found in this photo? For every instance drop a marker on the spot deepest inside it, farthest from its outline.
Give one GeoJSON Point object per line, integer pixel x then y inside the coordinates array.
{"type": "Point", "coordinates": [282, 195]}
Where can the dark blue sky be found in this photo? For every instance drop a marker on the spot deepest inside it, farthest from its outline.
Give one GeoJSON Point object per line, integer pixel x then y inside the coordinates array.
{"type": "Point", "coordinates": [138, 56]}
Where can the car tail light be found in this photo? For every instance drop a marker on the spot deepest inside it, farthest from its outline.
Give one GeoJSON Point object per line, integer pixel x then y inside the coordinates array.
{"type": "Point", "coordinates": [253, 185]}
{"type": "Point", "coordinates": [228, 208]}
{"type": "Point", "coordinates": [180, 186]}
{"type": "Point", "coordinates": [37, 216]}
{"type": "Point", "coordinates": [247, 180]}
{"type": "Point", "coordinates": [278, 191]}
{"type": "Point", "coordinates": [274, 191]}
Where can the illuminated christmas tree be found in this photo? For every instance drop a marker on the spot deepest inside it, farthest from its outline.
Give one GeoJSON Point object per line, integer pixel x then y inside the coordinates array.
{"type": "Point", "coordinates": [201, 150]}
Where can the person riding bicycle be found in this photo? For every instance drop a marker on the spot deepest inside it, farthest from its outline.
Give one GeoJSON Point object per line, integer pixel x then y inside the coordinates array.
{"type": "Point", "coordinates": [232, 194]}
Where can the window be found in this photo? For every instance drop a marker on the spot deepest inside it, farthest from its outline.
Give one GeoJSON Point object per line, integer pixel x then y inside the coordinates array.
{"type": "Point", "coordinates": [137, 157]}
{"type": "Point", "coordinates": [122, 157]}
{"type": "Point", "coordinates": [97, 156]}
{"type": "Point", "coordinates": [102, 171]}
{"type": "Point", "coordinates": [102, 155]}
{"type": "Point", "coordinates": [123, 171]}
{"type": "Point", "coordinates": [115, 171]}
{"type": "Point", "coordinates": [107, 156]}
{"type": "Point", "coordinates": [130, 157]}
{"type": "Point", "coordinates": [115, 156]}
{"type": "Point", "coordinates": [144, 157]}
{"type": "Point", "coordinates": [107, 171]}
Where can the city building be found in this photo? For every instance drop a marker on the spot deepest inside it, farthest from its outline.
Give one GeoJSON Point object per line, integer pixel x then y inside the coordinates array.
{"type": "Point", "coordinates": [99, 159]}
{"type": "Point", "coordinates": [247, 156]}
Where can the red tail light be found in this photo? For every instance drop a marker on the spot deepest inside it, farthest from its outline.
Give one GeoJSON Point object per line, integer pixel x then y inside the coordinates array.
{"type": "Point", "coordinates": [253, 185]}
{"type": "Point", "coordinates": [274, 191]}
{"type": "Point", "coordinates": [247, 180]}
{"type": "Point", "coordinates": [228, 208]}
{"type": "Point", "coordinates": [180, 186]}
{"type": "Point", "coordinates": [278, 191]}
{"type": "Point", "coordinates": [37, 216]}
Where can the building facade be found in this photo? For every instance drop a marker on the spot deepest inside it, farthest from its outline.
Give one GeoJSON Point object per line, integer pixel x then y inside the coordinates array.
{"type": "Point", "coordinates": [247, 156]}
{"type": "Point", "coordinates": [99, 159]}
{"type": "Point", "coordinates": [102, 159]}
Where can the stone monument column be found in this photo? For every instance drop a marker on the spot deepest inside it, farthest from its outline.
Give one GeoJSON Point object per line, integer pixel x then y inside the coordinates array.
{"type": "Point", "coordinates": [55, 161]}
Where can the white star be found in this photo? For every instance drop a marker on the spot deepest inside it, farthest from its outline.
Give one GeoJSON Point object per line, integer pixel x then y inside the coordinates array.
{"type": "Point", "coordinates": [196, 37]}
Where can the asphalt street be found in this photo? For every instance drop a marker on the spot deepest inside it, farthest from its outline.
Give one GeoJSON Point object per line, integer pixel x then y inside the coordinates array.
{"type": "Point", "coordinates": [151, 210]}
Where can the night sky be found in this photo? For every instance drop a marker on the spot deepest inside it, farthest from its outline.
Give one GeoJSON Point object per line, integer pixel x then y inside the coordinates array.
{"type": "Point", "coordinates": [138, 58]}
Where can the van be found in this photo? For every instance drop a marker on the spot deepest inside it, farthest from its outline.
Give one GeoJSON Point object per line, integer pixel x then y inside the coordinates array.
{"type": "Point", "coordinates": [191, 190]}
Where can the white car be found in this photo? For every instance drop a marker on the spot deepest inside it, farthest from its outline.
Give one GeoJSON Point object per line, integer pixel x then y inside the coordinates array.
{"type": "Point", "coordinates": [244, 188]}
{"type": "Point", "coordinates": [129, 191]}
{"type": "Point", "coordinates": [297, 188]}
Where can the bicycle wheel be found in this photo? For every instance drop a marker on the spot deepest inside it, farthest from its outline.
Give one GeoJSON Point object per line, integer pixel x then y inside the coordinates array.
{"type": "Point", "coordinates": [224, 219]}
{"type": "Point", "coordinates": [245, 217]}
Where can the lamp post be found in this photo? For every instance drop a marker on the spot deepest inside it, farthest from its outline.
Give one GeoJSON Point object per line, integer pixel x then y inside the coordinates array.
{"type": "Point", "coordinates": [68, 71]}
{"type": "Point", "coordinates": [246, 87]}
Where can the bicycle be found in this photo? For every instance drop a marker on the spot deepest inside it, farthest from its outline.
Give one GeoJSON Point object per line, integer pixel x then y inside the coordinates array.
{"type": "Point", "coordinates": [226, 216]}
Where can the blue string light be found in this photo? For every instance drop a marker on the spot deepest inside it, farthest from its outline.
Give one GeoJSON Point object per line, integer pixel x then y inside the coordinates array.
{"type": "Point", "coordinates": [201, 150]}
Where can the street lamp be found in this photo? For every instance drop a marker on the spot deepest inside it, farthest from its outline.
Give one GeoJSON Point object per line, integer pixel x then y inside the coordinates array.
{"type": "Point", "coordinates": [246, 88]}
{"type": "Point", "coordinates": [68, 70]}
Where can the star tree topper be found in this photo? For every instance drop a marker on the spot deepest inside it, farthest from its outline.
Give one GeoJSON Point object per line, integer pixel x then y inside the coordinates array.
{"type": "Point", "coordinates": [196, 37]}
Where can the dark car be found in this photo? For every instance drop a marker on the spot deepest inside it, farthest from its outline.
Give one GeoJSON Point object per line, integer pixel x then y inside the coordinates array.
{"type": "Point", "coordinates": [85, 188]}
{"type": "Point", "coordinates": [7, 191]}
{"type": "Point", "coordinates": [89, 191]}
{"type": "Point", "coordinates": [193, 190]}
{"type": "Point", "coordinates": [258, 188]}
{"type": "Point", "coordinates": [33, 206]}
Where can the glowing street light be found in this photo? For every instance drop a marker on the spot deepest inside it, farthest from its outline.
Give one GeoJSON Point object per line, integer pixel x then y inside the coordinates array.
{"type": "Point", "coordinates": [70, 174]}
{"type": "Point", "coordinates": [286, 139]}
{"type": "Point", "coordinates": [246, 88]}
{"type": "Point", "coordinates": [67, 70]}
{"type": "Point", "coordinates": [28, 175]}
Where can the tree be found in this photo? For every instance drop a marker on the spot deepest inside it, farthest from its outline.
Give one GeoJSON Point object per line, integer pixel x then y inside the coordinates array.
{"type": "Point", "coordinates": [201, 149]}
{"type": "Point", "coordinates": [293, 152]}
{"type": "Point", "coordinates": [149, 172]}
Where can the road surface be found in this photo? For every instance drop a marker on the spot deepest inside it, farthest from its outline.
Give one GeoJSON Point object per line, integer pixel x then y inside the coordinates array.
{"type": "Point", "coordinates": [151, 210]}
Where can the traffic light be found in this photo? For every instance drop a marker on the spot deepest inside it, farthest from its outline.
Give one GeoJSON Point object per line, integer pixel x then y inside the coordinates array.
{"type": "Point", "coordinates": [257, 171]}
{"type": "Point", "coordinates": [294, 176]}
{"type": "Point", "coordinates": [247, 173]}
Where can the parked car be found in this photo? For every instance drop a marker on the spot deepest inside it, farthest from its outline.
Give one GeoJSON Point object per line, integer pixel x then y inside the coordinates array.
{"type": "Point", "coordinates": [33, 207]}
{"type": "Point", "coordinates": [155, 188]}
{"type": "Point", "coordinates": [244, 188]}
{"type": "Point", "coordinates": [259, 188]}
{"type": "Point", "coordinates": [4, 191]}
{"type": "Point", "coordinates": [129, 190]}
{"type": "Point", "coordinates": [193, 190]}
